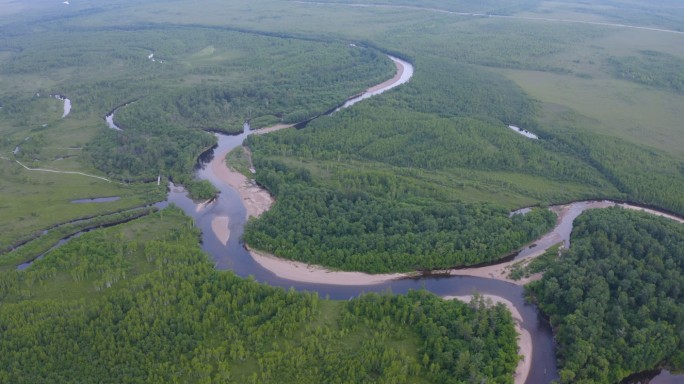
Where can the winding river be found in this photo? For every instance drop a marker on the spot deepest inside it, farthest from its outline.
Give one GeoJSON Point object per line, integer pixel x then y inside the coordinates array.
{"type": "Point", "coordinates": [229, 252]}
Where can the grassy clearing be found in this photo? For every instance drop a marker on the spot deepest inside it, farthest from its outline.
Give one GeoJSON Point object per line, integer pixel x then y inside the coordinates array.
{"type": "Point", "coordinates": [618, 108]}
{"type": "Point", "coordinates": [31, 201]}
{"type": "Point", "coordinates": [63, 285]}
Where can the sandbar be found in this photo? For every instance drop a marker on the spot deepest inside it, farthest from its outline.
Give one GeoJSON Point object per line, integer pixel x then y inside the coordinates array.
{"type": "Point", "coordinates": [203, 205]}
{"type": "Point", "coordinates": [257, 200]}
{"type": "Point", "coordinates": [308, 273]}
{"type": "Point", "coordinates": [384, 84]}
{"type": "Point", "coordinates": [272, 128]}
{"type": "Point", "coordinates": [653, 212]}
{"type": "Point", "coordinates": [219, 225]}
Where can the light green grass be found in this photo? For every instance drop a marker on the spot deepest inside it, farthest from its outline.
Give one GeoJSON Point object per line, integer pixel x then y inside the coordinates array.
{"type": "Point", "coordinates": [62, 286]}
{"type": "Point", "coordinates": [507, 189]}
{"type": "Point", "coordinates": [618, 108]}
{"type": "Point", "coordinates": [31, 200]}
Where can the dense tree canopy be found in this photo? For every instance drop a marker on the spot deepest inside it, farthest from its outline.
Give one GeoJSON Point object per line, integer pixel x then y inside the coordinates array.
{"type": "Point", "coordinates": [128, 304]}
{"type": "Point", "coordinates": [615, 298]}
{"type": "Point", "coordinates": [357, 231]}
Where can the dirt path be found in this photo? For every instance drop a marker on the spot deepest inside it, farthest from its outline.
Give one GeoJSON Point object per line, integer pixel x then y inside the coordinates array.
{"type": "Point", "coordinates": [63, 172]}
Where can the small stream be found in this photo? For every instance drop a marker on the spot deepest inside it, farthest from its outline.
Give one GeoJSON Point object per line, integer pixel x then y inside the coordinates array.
{"type": "Point", "coordinates": [524, 132]}
{"type": "Point", "coordinates": [96, 200]}
{"type": "Point", "coordinates": [109, 118]}
{"type": "Point", "coordinates": [67, 104]}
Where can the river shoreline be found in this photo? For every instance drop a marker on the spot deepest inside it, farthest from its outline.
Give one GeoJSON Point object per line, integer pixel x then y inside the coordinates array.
{"type": "Point", "coordinates": [257, 201]}
{"type": "Point", "coordinates": [522, 371]}
{"type": "Point", "coordinates": [241, 198]}
{"type": "Point", "coordinates": [393, 80]}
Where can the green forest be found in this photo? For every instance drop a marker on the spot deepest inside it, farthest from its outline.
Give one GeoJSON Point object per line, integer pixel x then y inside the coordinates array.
{"type": "Point", "coordinates": [352, 229]}
{"type": "Point", "coordinates": [348, 197]}
{"type": "Point", "coordinates": [202, 79]}
{"type": "Point", "coordinates": [421, 177]}
{"type": "Point", "coordinates": [138, 305]}
{"type": "Point", "coordinates": [615, 298]}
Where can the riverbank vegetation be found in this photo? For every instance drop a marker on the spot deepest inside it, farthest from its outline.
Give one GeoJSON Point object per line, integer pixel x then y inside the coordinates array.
{"type": "Point", "coordinates": [202, 79]}
{"type": "Point", "coordinates": [340, 168]}
{"type": "Point", "coordinates": [421, 177]}
{"type": "Point", "coordinates": [372, 223]}
{"type": "Point", "coordinates": [525, 269]}
{"type": "Point", "coordinates": [43, 242]}
{"type": "Point", "coordinates": [615, 297]}
{"type": "Point", "coordinates": [131, 302]}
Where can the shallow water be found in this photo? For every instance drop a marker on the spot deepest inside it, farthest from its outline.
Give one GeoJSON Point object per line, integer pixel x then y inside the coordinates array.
{"type": "Point", "coordinates": [523, 132]}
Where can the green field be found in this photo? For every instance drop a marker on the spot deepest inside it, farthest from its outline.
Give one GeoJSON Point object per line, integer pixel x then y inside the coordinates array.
{"type": "Point", "coordinates": [420, 177]}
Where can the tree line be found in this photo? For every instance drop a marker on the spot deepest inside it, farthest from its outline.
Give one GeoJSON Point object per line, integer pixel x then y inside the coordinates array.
{"type": "Point", "coordinates": [128, 304]}
{"type": "Point", "coordinates": [615, 297]}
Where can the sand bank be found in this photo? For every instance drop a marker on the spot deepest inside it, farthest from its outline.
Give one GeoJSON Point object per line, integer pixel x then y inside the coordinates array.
{"type": "Point", "coordinates": [256, 199]}
{"type": "Point", "coordinates": [273, 128]}
{"type": "Point", "coordinates": [500, 271]}
{"type": "Point", "coordinates": [203, 205]}
{"type": "Point", "coordinates": [298, 271]}
{"type": "Point", "coordinates": [385, 84]}
{"type": "Point", "coordinates": [651, 211]}
{"type": "Point", "coordinates": [219, 225]}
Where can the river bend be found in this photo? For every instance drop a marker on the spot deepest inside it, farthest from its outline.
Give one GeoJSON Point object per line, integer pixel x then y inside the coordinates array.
{"type": "Point", "coordinates": [230, 253]}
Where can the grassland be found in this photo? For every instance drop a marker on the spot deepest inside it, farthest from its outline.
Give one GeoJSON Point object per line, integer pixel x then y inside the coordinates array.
{"type": "Point", "coordinates": [609, 106]}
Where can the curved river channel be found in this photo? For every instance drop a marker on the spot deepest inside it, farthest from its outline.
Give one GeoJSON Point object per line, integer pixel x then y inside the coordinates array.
{"type": "Point", "coordinates": [230, 254]}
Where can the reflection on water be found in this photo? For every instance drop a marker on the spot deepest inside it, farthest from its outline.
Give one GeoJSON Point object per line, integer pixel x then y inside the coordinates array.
{"type": "Point", "coordinates": [524, 132]}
